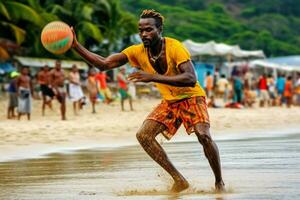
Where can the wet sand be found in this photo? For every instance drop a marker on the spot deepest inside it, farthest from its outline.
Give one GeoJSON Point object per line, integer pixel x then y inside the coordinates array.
{"type": "Point", "coordinates": [112, 128]}
{"type": "Point", "coordinates": [255, 168]}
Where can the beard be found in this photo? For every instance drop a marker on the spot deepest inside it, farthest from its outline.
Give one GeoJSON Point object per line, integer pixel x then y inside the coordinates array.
{"type": "Point", "coordinates": [147, 43]}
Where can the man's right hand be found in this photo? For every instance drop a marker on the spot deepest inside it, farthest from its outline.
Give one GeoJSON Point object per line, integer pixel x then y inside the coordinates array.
{"type": "Point", "coordinates": [75, 41]}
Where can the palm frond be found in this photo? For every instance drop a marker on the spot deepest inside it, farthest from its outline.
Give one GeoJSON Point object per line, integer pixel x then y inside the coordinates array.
{"type": "Point", "coordinates": [4, 11]}
{"type": "Point", "coordinates": [58, 9]}
{"type": "Point", "coordinates": [18, 32]}
{"type": "Point", "coordinates": [21, 11]}
{"type": "Point", "coordinates": [91, 30]}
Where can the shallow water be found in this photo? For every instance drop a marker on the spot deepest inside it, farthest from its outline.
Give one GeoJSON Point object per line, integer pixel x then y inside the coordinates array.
{"type": "Point", "coordinates": [253, 168]}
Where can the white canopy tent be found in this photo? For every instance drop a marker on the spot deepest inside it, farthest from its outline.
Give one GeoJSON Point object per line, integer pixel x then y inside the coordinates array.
{"type": "Point", "coordinates": [212, 48]}
{"type": "Point", "coordinates": [41, 62]}
{"type": "Point", "coordinates": [272, 65]}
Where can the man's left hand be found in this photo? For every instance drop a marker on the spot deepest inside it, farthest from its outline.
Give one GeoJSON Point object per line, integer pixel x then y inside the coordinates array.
{"type": "Point", "coordinates": [140, 76]}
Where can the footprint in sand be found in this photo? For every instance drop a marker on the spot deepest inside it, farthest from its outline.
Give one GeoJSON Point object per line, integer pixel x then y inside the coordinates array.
{"type": "Point", "coordinates": [87, 193]}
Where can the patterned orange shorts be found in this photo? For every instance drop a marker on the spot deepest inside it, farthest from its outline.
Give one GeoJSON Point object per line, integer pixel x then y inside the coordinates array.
{"type": "Point", "coordinates": [188, 111]}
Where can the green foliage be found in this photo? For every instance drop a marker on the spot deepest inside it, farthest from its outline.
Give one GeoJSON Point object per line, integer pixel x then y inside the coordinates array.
{"type": "Point", "coordinates": [93, 21]}
{"type": "Point", "coordinates": [271, 25]}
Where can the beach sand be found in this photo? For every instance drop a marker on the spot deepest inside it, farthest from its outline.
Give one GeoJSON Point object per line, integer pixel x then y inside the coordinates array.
{"type": "Point", "coordinates": [112, 128]}
{"type": "Point", "coordinates": [96, 156]}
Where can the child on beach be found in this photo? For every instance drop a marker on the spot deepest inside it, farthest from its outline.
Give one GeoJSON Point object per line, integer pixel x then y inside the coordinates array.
{"type": "Point", "coordinates": [13, 98]}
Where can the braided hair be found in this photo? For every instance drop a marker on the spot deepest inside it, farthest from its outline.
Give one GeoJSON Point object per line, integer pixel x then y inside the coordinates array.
{"type": "Point", "coordinates": [159, 19]}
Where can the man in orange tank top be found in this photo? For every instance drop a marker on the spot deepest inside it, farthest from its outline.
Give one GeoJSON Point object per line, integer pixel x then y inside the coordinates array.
{"type": "Point", "coordinates": [167, 63]}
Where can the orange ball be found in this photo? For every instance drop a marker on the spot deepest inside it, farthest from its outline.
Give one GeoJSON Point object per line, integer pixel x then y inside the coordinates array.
{"type": "Point", "coordinates": [57, 37]}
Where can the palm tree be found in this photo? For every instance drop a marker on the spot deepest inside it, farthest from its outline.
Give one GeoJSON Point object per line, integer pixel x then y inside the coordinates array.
{"type": "Point", "coordinates": [80, 15]}
{"type": "Point", "coordinates": [115, 23]}
{"type": "Point", "coordinates": [95, 22]}
{"type": "Point", "coordinates": [14, 17]}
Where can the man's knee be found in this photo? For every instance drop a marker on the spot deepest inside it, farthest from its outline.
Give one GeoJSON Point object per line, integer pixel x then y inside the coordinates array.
{"type": "Point", "coordinates": [204, 139]}
{"type": "Point", "coordinates": [203, 135]}
{"type": "Point", "coordinates": [140, 136]}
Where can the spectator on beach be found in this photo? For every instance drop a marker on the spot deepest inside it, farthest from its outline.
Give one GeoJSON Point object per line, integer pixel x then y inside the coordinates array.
{"type": "Point", "coordinates": [216, 78]}
{"type": "Point", "coordinates": [235, 71]}
{"type": "Point", "coordinates": [248, 79]}
{"type": "Point", "coordinates": [13, 98]}
{"type": "Point", "coordinates": [263, 90]}
{"type": "Point", "coordinates": [288, 91]}
{"type": "Point", "coordinates": [222, 87]}
{"type": "Point", "coordinates": [208, 84]}
{"type": "Point", "coordinates": [297, 90]}
{"type": "Point", "coordinates": [104, 90]}
{"type": "Point", "coordinates": [25, 93]}
{"type": "Point", "coordinates": [75, 90]}
{"type": "Point", "coordinates": [57, 83]}
{"type": "Point", "coordinates": [280, 84]}
{"type": "Point", "coordinates": [92, 88]}
{"type": "Point", "coordinates": [123, 88]}
{"type": "Point", "coordinates": [272, 90]}
{"type": "Point", "coordinates": [237, 88]}
{"type": "Point", "coordinates": [249, 95]}
{"type": "Point", "coordinates": [43, 79]}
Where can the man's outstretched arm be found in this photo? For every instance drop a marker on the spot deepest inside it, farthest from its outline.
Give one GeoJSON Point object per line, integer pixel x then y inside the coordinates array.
{"type": "Point", "coordinates": [102, 63]}
{"type": "Point", "coordinates": [187, 77]}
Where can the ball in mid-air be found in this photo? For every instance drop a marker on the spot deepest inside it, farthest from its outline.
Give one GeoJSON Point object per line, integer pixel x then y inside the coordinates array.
{"type": "Point", "coordinates": [57, 37]}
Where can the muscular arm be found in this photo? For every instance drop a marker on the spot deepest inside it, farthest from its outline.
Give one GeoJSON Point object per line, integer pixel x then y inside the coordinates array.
{"type": "Point", "coordinates": [112, 61]}
{"type": "Point", "coordinates": [186, 78]}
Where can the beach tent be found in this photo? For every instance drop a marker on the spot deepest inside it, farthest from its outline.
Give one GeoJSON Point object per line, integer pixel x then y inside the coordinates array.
{"type": "Point", "coordinates": [288, 63]}
{"type": "Point", "coordinates": [41, 62]}
{"type": "Point", "coordinates": [212, 48]}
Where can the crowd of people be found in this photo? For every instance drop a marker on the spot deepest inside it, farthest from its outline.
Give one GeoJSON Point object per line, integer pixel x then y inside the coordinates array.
{"type": "Point", "coordinates": [240, 89]}
{"type": "Point", "coordinates": [243, 89]}
{"type": "Point", "coordinates": [56, 84]}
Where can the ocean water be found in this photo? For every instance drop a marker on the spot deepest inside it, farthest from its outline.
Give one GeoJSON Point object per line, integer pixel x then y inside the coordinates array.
{"type": "Point", "coordinates": [253, 168]}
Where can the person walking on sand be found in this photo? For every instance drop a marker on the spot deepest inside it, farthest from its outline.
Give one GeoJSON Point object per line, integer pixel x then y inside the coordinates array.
{"type": "Point", "coordinates": [209, 84]}
{"type": "Point", "coordinates": [75, 91]}
{"type": "Point", "coordinates": [13, 97]}
{"type": "Point", "coordinates": [43, 78]}
{"type": "Point", "coordinates": [167, 63]}
{"type": "Point", "coordinates": [25, 93]}
{"type": "Point", "coordinates": [92, 88]}
{"type": "Point", "coordinates": [57, 79]}
{"type": "Point", "coordinates": [123, 88]}
{"type": "Point", "coordinates": [104, 90]}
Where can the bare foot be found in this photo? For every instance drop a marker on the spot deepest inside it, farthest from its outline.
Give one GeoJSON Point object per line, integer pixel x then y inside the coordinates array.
{"type": "Point", "coordinates": [180, 186]}
{"type": "Point", "coordinates": [220, 187]}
